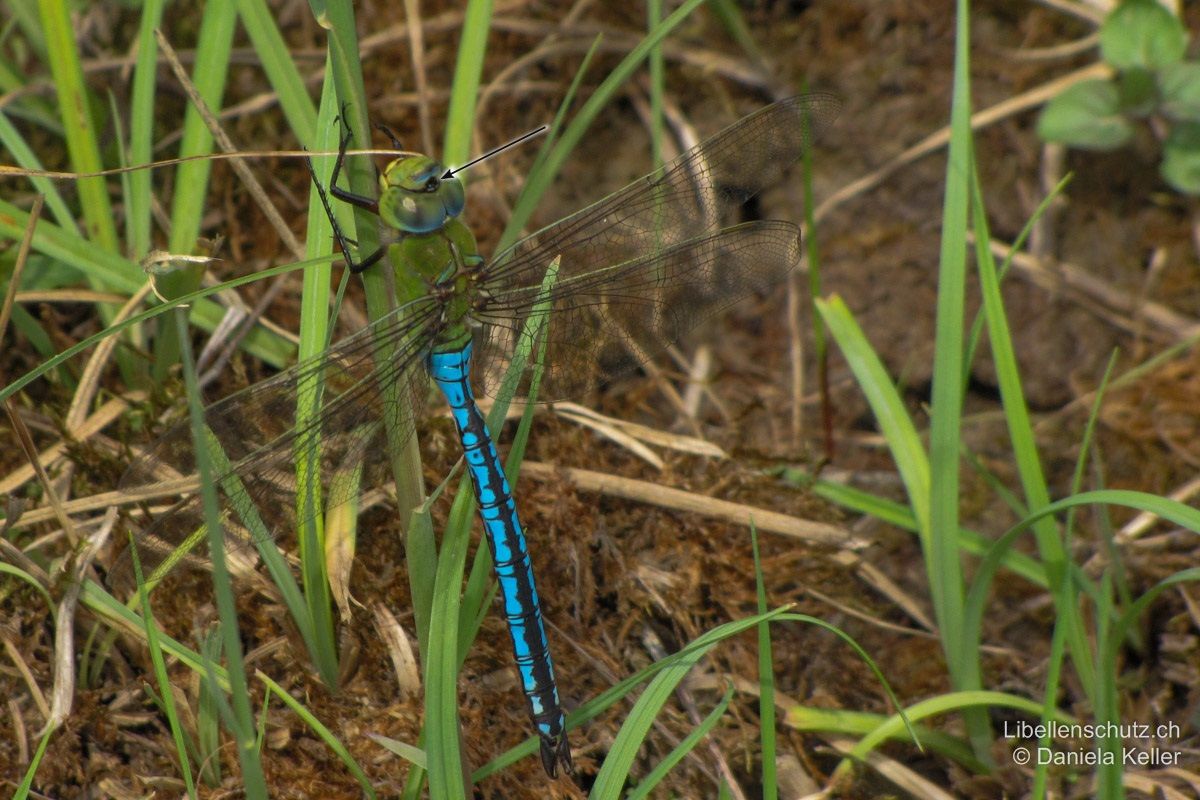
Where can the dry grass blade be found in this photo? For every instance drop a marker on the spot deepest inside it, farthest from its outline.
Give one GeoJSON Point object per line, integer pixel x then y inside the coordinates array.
{"type": "Point", "coordinates": [416, 41]}
{"type": "Point", "coordinates": [1084, 284]}
{"type": "Point", "coordinates": [399, 647]}
{"type": "Point", "coordinates": [1148, 785]}
{"type": "Point", "coordinates": [68, 296]}
{"type": "Point", "coordinates": [851, 611]}
{"type": "Point", "coordinates": [652, 436]}
{"type": "Point", "coordinates": [89, 381]}
{"type": "Point", "coordinates": [678, 500]}
{"type": "Point", "coordinates": [1144, 521]}
{"type": "Point", "coordinates": [907, 780]}
{"type": "Point", "coordinates": [8, 170]}
{"type": "Point", "coordinates": [63, 692]}
{"type": "Point", "coordinates": [31, 454]}
{"type": "Point", "coordinates": [101, 501]}
{"type": "Point", "coordinates": [877, 579]}
{"type": "Point", "coordinates": [35, 691]}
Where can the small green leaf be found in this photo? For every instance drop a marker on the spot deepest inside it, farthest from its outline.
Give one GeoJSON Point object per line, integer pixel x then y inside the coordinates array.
{"type": "Point", "coordinates": [1086, 115]}
{"type": "Point", "coordinates": [1181, 158]}
{"type": "Point", "coordinates": [1180, 88]}
{"type": "Point", "coordinates": [1138, 92]}
{"type": "Point", "coordinates": [1141, 33]}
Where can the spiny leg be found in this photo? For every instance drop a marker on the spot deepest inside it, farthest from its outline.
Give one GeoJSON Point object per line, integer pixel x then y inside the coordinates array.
{"type": "Point", "coordinates": [396, 143]}
{"type": "Point", "coordinates": [346, 196]}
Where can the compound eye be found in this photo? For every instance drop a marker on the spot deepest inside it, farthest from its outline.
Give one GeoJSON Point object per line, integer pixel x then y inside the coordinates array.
{"type": "Point", "coordinates": [419, 213]}
{"type": "Point", "coordinates": [453, 196]}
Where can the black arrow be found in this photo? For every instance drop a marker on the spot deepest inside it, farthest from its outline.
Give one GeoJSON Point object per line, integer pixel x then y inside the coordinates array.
{"type": "Point", "coordinates": [451, 172]}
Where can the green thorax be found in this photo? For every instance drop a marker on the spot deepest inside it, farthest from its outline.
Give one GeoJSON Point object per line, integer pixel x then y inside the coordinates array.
{"type": "Point", "coordinates": [435, 253]}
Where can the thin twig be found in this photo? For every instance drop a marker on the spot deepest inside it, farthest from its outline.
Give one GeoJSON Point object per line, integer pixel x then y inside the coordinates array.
{"type": "Point", "coordinates": [937, 140]}
{"type": "Point", "coordinates": [14, 281]}
{"type": "Point", "coordinates": [416, 42]}
{"type": "Point", "coordinates": [112, 410]}
{"type": "Point", "coordinates": [31, 454]}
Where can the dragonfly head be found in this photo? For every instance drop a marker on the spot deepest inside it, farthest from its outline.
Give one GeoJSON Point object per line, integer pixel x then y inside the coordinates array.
{"type": "Point", "coordinates": [415, 198]}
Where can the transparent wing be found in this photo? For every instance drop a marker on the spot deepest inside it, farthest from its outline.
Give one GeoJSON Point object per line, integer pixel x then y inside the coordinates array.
{"type": "Point", "coordinates": [682, 200]}
{"type": "Point", "coordinates": [651, 261]}
{"type": "Point", "coordinates": [259, 435]}
{"type": "Point", "coordinates": [607, 322]}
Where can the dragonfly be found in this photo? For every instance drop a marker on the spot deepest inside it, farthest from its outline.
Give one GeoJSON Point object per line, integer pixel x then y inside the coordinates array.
{"type": "Point", "coordinates": [637, 270]}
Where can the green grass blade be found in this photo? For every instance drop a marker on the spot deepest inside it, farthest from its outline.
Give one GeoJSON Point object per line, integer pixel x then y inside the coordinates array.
{"type": "Point", "coordinates": [314, 336]}
{"type": "Point", "coordinates": [730, 16]}
{"type": "Point", "coordinates": [537, 183]}
{"type": "Point", "coordinates": [617, 693]}
{"type": "Point", "coordinates": [1018, 245]}
{"type": "Point", "coordinates": [1028, 462]}
{"type": "Point", "coordinates": [441, 662]}
{"type": "Point", "coordinates": [346, 68]}
{"type": "Point", "coordinates": [901, 516]}
{"type": "Point", "coordinates": [857, 724]}
{"type": "Point", "coordinates": [887, 405]}
{"type": "Point", "coordinates": [464, 91]}
{"type": "Point", "coordinates": [161, 677]}
{"type": "Point", "coordinates": [23, 156]}
{"type": "Point", "coordinates": [686, 746]}
{"type": "Point", "coordinates": [450, 637]}
{"type": "Point", "coordinates": [942, 562]}
{"type": "Point", "coordinates": [276, 565]}
{"type": "Point", "coordinates": [277, 63]}
{"type": "Point", "coordinates": [208, 713]}
{"type": "Point", "coordinates": [420, 554]}
{"type": "Point", "coordinates": [139, 198]}
{"type": "Point", "coordinates": [136, 319]}
{"type": "Point", "coordinates": [213, 44]}
{"type": "Point", "coordinates": [120, 616]}
{"type": "Point", "coordinates": [939, 705]}
{"type": "Point", "coordinates": [411, 754]}
{"type": "Point", "coordinates": [766, 678]}
{"type": "Point", "coordinates": [614, 772]}
{"type": "Point", "coordinates": [243, 727]}
{"type": "Point", "coordinates": [323, 733]}
{"type": "Point", "coordinates": [656, 68]}
{"type": "Point", "coordinates": [25, 16]}
{"type": "Point", "coordinates": [74, 108]}
{"type": "Point", "coordinates": [35, 764]}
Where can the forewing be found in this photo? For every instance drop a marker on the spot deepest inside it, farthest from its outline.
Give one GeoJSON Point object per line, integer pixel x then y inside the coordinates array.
{"type": "Point", "coordinates": [684, 199]}
{"type": "Point", "coordinates": [652, 260]}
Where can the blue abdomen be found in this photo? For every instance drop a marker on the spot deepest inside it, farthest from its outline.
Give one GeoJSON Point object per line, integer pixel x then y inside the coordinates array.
{"type": "Point", "coordinates": [451, 370]}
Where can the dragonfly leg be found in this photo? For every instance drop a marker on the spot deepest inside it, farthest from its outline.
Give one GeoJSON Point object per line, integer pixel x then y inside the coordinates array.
{"type": "Point", "coordinates": [345, 195]}
{"type": "Point", "coordinates": [396, 143]}
{"type": "Point", "coordinates": [348, 197]}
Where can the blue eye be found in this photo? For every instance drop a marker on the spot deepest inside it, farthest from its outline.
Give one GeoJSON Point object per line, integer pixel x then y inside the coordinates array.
{"type": "Point", "coordinates": [417, 213]}
{"type": "Point", "coordinates": [454, 198]}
